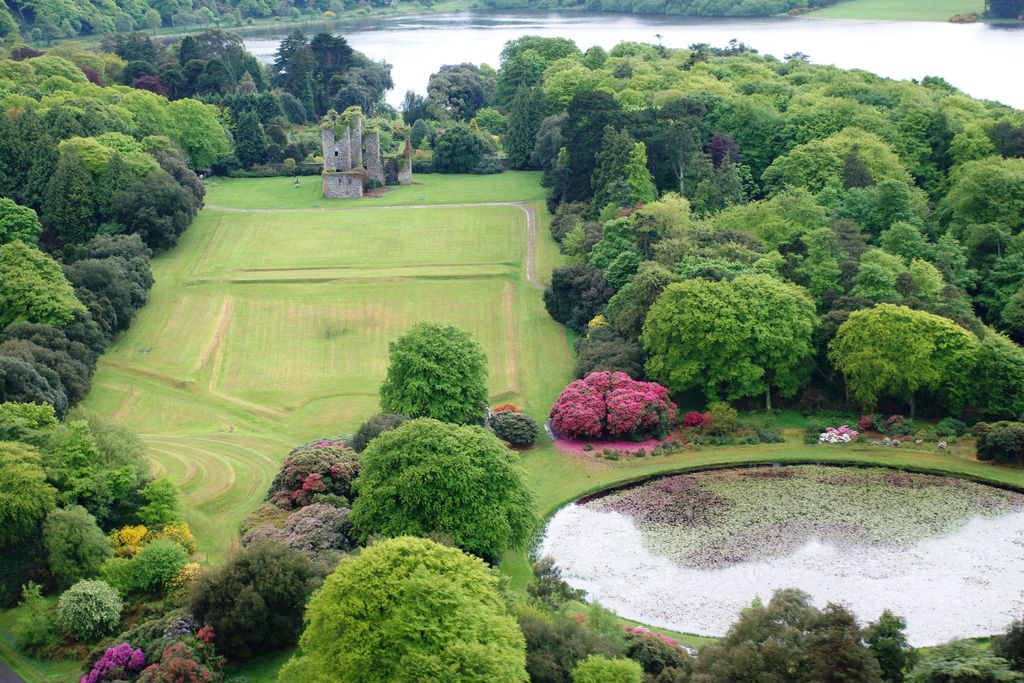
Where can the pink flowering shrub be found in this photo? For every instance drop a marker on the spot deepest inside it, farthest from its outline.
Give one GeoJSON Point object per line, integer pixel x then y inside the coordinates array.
{"type": "Point", "coordinates": [866, 422]}
{"type": "Point", "coordinates": [647, 633]}
{"type": "Point", "coordinates": [695, 419]}
{"type": "Point", "coordinates": [117, 664]}
{"type": "Point", "coordinates": [319, 467]}
{"type": "Point", "coordinates": [612, 404]}
{"type": "Point", "coordinates": [841, 434]}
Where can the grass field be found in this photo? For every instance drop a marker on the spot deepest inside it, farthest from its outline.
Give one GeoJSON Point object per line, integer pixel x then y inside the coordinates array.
{"type": "Point", "coordinates": [899, 10]}
{"type": "Point", "coordinates": [266, 329]}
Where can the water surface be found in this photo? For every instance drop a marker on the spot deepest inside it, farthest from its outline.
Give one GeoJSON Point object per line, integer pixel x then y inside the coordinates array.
{"type": "Point", "coordinates": [982, 60]}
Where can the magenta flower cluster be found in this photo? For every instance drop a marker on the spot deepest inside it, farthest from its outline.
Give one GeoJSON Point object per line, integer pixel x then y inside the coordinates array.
{"type": "Point", "coordinates": [117, 664]}
{"type": "Point", "coordinates": [612, 404]}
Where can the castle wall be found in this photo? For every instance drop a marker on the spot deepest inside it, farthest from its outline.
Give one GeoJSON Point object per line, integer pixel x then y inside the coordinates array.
{"type": "Point", "coordinates": [374, 165]}
{"type": "Point", "coordinates": [405, 164]}
{"type": "Point", "coordinates": [342, 185]}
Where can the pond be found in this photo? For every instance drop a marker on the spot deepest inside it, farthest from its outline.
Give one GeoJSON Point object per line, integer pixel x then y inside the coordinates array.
{"type": "Point", "coordinates": [688, 552]}
{"type": "Point", "coordinates": [978, 58]}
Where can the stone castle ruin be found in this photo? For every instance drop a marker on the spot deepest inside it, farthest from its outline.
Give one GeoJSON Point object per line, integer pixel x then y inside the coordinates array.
{"type": "Point", "coordinates": [353, 161]}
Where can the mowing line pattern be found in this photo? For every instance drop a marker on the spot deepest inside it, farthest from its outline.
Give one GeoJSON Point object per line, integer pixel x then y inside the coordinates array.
{"type": "Point", "coordinates": [267, 328]}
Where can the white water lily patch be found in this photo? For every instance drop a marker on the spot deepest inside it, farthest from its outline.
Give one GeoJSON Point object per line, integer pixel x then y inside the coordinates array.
{"type": "Point", "coordinates": [689, 552]}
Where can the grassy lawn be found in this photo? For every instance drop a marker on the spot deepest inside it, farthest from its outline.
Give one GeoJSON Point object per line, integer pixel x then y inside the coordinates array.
{"type": "Point", "coordinates": [265, 330]}
{"type": "Point", "coordinates": [431, 188]}
{"type": "Point", "coordinates": [899, 10]}
{"type": "Point", "coordinates": [30, 669]}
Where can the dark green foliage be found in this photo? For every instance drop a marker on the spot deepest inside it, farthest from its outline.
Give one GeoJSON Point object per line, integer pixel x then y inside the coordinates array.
{"type": "Point", "coordinates": [436, 371]}
{"type": "Point", "coordinates": [519, 429]}
{"type": "Point", "coordinates": [374, 427]}
{"type": "Point", "coordinates": [790, 640]}
{"type": "Point", "coordinates": [459, 150]}
{"type": "Point", "coordinates": [458, 482]}
{"type": "Point", "coordinates": [156, 208]}
{"type": "Point", "coordinates": [548, 587]}
{"type": "Point", "coordinates": [1010, 645]}
{"type": "Point", "coordinates": [75, 545]}
{"type": "Point", "coordinates": [250, 140]}
{"type": "Point", "coordinates": [555, 642]}
{"type": "Point", "coordinates": [886, 640]}
{"type": "Point", "coordinates": [456, 91]}
{"type": "Point", "coordinates": [255, 602]}
{"type": "Point", "coordinates": [68, 211]}
{"type": "Point", "coordinates": [662, 662]}
{"type": "Point", "coordinates": [63, 372]}
{"type": "Point", "coordinates": [577, 293]}
{"type": "Point", "coordinates": [588, 113]}
{"type": "Point", "coordinates": [525, 115]}
{"type": "Point", "coordinates": [1002, 442]}
{"type": "Point", "coordinates": [21, 382]}
{"type": "Point", "coordinates": [950, 426]}
{"type": "Point", "coordinates": [603, 349]}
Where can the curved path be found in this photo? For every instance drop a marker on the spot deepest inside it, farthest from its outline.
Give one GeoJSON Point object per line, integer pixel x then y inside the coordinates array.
{"type": "Point", "coordinates": [527, 208]}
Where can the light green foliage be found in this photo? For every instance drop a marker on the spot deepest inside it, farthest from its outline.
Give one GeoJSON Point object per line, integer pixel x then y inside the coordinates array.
{"type": "Point", "coordinates": [32, 416]}
{"type": "Point", "coordinates": [895, 351]}
{"type": "Point", "coordinates": [730, 339]}
{"type": "Point", "coordinates": [36, 628]}
{"type": "Point", "coordinates": [998, 377]}
{"type": "Point", "coordinates": [459, 482]}
{"type": "Point", "coordinates": [621, 178]}
{"type": "Point", "coordinates": [33, 287]}
{"type": "Point", "coordinates": [88, 610]}
{"type": "Point", "coordinates": [778, 220]}
{"type": "Point", "coordinates": [616, 254]}
{"type": "Point", "coordinates": [876, 278]}
{"type": "Point", "coordinates": [408, 610]}
{"type": "Point", "coordinates": [820, 269]}
{"type": "Point", "coordinates": [820, 163]}
{"type": "Point", "coordinates": [598, 669]}
{"type": "Point", "coordinates": [987, 191]}
{"type": "Point", "coordinates": [18, 223]}
{"type": "Point", "coordinates": [905, 239]}
{"type": "Point", "coordinates": [491, 120]}
{"type": "Point", "coordinates": [75, 545]}
{"type": "Point", "coordinates": [162, 505]}
{"type": "Point", "coordinates": [155, 565]}
{"type": "Point", "coordinates": [926, 278]}
{"type": "Point", "coordinates": [436, 371]}
{"type": "Point", "coordinates": [961, 660]}
{"type": "Point", "coordinates": [76, 466]}
{"type": "Point", "coordinates": [25, 497]}
{"type": "Point", "coordinates": [196, 128]}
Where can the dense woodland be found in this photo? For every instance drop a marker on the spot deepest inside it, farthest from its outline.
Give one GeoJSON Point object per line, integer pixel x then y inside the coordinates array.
{"type": "Point", "coordinates": [856, 238]}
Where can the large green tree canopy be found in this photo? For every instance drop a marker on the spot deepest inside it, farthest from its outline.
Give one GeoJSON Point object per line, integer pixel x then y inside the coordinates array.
{"type": "Point", "coordinates": [436, 371]}
{"type": "Point", "coordinates": [730, 339]}
{"type": "Point", "coordinates": [460, 482]}
{"type": "Point", "coordinates": [895, 351]}
{"type": "Point", "coordinates": [33, 287]}
{"type": "Point", "coordinates": [409, 610]}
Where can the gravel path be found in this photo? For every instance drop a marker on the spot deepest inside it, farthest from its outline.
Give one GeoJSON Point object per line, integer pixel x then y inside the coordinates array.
{"type": "Point", "coordinates": [531, 223]}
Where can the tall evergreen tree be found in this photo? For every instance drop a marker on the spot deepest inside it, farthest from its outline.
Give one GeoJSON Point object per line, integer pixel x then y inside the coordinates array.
{"type": "Point", "coordinates": [250, 140]}
{"type": "Point", "coordinates": [525, 116]}
{"type": "Point", "coordinates": [68, 210]}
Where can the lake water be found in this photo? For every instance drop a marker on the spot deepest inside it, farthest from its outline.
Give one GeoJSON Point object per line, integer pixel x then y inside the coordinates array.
{"type": "Point", "coordinates": [982, 60]}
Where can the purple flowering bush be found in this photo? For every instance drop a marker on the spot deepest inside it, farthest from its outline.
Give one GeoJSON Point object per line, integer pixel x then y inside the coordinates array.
{"type": "Point", "coordinates": [118, 663]}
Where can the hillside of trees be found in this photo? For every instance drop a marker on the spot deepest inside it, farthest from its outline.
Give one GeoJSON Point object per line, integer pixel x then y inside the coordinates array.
{"type": "Point", "coordinates": [780, 193]}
